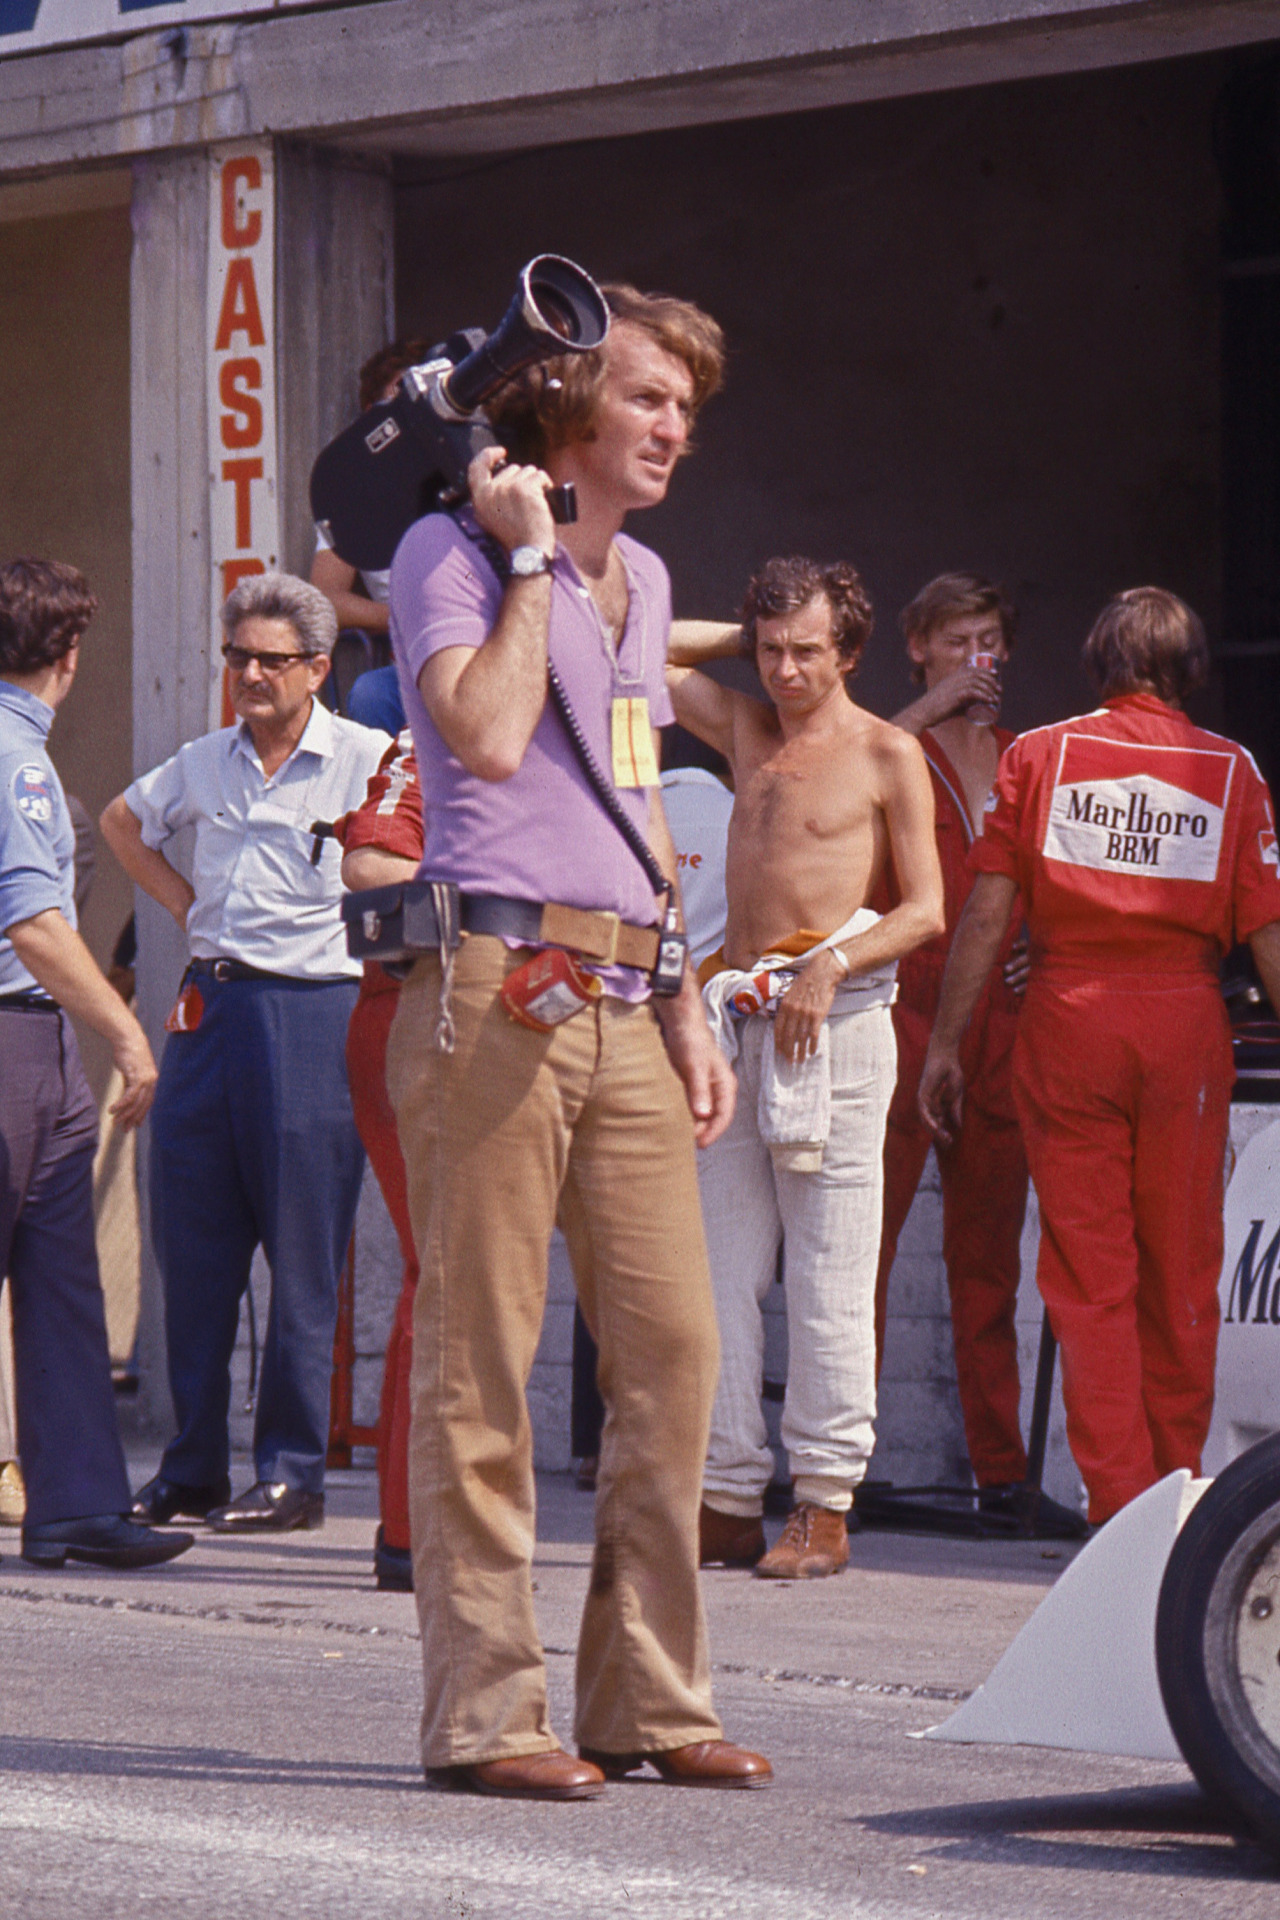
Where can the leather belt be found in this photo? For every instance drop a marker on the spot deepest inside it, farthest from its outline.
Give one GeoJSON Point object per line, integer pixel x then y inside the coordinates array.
{"type": "Point", "coordinates": [603, 937]}
{"type": "Point", "coordinates": [394, 924]}
{"type": "Point", "coordinates": [27, 1002]}
{"type": "Point", "coordinates": [221, 969]}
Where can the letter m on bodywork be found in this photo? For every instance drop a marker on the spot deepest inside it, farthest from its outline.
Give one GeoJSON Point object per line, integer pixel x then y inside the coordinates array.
{"type": "Point", "coordinates": [1252, 1277]}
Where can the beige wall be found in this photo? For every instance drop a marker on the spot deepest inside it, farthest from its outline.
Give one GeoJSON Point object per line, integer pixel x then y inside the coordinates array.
{"type": "Point", "coordinates": [64, 485]}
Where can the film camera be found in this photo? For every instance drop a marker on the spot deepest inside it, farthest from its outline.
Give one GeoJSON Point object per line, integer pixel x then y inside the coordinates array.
{"type": "Point", "coordinates": [409, 455]}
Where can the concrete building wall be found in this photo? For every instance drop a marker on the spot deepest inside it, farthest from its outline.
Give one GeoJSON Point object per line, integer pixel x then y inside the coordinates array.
{"type": "Point", "coordinates": [976, 329]}
{"type": "Point", "coordinates": [64, 488]}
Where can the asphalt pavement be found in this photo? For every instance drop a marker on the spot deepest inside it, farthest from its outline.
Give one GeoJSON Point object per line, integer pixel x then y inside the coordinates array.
{"type": "Point", "coordinates": [234, 1736]}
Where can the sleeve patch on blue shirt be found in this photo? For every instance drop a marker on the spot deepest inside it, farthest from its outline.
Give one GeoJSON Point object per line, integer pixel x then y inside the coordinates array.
{"type": "Point", "coordinates": [33, 793]}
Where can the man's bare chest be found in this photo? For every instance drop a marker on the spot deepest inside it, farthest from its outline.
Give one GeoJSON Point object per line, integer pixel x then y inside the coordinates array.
{"type": "Point", "coordinates": [801, 796]}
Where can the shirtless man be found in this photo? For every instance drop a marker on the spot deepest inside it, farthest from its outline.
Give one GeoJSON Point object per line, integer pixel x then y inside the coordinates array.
{"type": "Point", "coordinates": [826, 795]}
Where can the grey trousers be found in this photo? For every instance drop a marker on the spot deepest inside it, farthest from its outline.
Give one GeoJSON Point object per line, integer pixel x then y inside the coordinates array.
{"type": "Point", "coordinates": [68, 1439]}
{"type": "Point", "coordinates": [831, 1223]}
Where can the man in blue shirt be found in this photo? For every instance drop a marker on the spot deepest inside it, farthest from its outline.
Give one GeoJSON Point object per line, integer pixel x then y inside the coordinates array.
{"type": "Point", "coordinates": [77, 1489]}
{"type": "Point", "coordinates": [252, 1140]}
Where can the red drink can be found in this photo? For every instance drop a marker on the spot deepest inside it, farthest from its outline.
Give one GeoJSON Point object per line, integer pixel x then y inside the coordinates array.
{"type": "Point", "coordinates": [982, 713]}
{"type": "Point", "coordinates": [548, 989]}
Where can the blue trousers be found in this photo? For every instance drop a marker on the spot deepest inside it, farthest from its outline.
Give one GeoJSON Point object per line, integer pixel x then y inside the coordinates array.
{"type": "Point", "coordinates": [67, 1434]}
{"type": "Point", "coordinates": [253, 1143]}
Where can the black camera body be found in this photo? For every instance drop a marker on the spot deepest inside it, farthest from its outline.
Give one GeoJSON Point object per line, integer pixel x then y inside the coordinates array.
{"type": "Point", "coordinates": [409, 455]}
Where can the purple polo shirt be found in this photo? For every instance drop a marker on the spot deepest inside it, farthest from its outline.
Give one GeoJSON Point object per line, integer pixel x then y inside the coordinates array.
{"type": "Point", "coordinates": [541, 835]}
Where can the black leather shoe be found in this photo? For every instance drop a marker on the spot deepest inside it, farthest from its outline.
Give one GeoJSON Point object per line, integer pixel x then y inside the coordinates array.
{"type": "Point", "coordinates": [269, 1507]}
{"type": "Point", "coordinates": [103, 1540]}
{"type": "Point", "coordinates": [392, 1566]}
{"type": "Point", "coordinates": [159, 1500]}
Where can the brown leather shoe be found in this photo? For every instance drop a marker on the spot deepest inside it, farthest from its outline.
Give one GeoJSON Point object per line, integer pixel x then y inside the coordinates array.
{"type": "Point", "coordinates": [814, 1542]}
{"type": "Point", "coordinates": [529, 1776]}
{"type": "Point", "coordinates": [724, 1540]}
{"type": "Point", "coordinates": [709, 1763]}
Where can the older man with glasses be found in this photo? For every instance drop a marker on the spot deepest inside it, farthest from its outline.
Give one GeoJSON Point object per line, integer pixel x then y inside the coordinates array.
{"type": "Point", "coordinates": [253, 1141]}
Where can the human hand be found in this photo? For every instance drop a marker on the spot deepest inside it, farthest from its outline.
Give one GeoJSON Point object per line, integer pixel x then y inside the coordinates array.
{"type": "Point", "coordinates": [710, 1085]}
{"type": "Point", "coordinates": [966, 687]}
{"type": "Point", "coordinates": [941, 1095]}
{"type": "Point", "coordinates": [138, 1070]}
{"type": "Point", "coordinates": [510, 501]}
{"type": "Point", "coordinates": [1017, 968]}
{"type": "Point", "coordinates": [805, 1005]}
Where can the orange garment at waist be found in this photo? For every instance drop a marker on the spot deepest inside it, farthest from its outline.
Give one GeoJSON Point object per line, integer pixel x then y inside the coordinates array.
{"type": "Point", "coordinates": [794, 943]}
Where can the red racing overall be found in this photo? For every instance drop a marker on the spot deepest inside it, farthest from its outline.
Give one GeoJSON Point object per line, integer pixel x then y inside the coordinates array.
{"type": "Point", "coordinates": [983, 1174]}
{"type": "Point", "coordinates": [1143, 848]}
{"type": "Point", "coordinates": [390, 818]}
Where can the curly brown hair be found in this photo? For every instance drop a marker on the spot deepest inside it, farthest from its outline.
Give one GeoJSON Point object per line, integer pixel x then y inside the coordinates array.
{"type": "Point", "coordinates": [1147, 639]}
{"type": "Point", "coordinates": [554, 403]}
{"type": "Point", "coordinates": [45, 606]}
{"type": "Point", "coordinates": [785, 586]}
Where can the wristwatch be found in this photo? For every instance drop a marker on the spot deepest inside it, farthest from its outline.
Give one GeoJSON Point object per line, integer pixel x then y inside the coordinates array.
{"type": "Point", "coordinates": [528, 561]}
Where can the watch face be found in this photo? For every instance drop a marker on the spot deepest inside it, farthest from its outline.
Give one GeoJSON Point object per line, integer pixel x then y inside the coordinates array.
{"type": "Point", "coordinates": [528, 560]}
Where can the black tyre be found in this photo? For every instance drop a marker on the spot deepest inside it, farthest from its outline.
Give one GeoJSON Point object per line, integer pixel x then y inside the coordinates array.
{"type": "Point", "coordinates": [1218, 1640]}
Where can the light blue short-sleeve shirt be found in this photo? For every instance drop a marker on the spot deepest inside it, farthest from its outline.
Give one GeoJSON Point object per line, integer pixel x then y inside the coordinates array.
{"type": "Point", "coordinates": [37, 836]}
{"type": "Point", "coordinates": [268, 893]}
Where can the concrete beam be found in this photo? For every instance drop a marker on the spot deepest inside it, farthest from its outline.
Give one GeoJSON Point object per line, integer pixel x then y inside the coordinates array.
{"type": "Point", "coordinates": [170, 489]}
{"type": "Point", "coordinates": [481, 75]}
{"type": "Point", "coordinates": [335, 271]}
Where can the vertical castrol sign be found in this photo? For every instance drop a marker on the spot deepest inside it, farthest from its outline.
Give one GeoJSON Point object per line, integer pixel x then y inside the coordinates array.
{"type": "Point", "coordinates": [244, 519]}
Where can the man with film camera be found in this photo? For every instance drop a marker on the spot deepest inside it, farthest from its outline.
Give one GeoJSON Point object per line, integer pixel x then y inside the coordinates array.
{"type": "Point", "coordinates": [512, 1115]}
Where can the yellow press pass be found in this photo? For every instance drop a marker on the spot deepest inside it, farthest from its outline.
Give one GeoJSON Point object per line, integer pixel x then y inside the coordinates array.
{"type": "Point", "coordinates": [634, 764]}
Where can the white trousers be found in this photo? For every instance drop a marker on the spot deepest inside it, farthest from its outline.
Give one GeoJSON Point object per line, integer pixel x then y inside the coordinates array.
{"type": "Point", "coordinates": [831, 1223]}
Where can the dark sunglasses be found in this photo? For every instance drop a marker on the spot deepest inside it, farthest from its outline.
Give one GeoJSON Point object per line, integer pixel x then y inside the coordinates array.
{"type": "Point", "coordinates": [238, 658]}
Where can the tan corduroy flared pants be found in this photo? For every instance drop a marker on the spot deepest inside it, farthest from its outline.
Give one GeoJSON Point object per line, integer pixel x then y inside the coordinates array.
{"type": "Point", "coordinates": [511, 1130]}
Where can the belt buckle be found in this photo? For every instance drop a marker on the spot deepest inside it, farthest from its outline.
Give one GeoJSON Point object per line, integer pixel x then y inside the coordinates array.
{"type": "Point", "coordinates": [222, 970]}
{"type": "Point", "coordinates": [593, 934]}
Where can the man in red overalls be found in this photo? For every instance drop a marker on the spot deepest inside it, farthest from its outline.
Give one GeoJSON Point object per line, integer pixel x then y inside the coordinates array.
{"type": "Point", "coordinates": [1142, 848]}
{"type": "Point", "coordinates": [983, 1170]}
{"type": "Point", "coordinates": [382, 846]}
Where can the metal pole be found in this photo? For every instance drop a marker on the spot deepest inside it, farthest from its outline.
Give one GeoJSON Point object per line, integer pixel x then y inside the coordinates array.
{"type": "Point", "coordinates": [1041, 1403]}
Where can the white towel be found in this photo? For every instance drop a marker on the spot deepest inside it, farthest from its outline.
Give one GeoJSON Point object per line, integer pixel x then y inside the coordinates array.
{"type": "Point", "coordinates": [794, 1109]}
